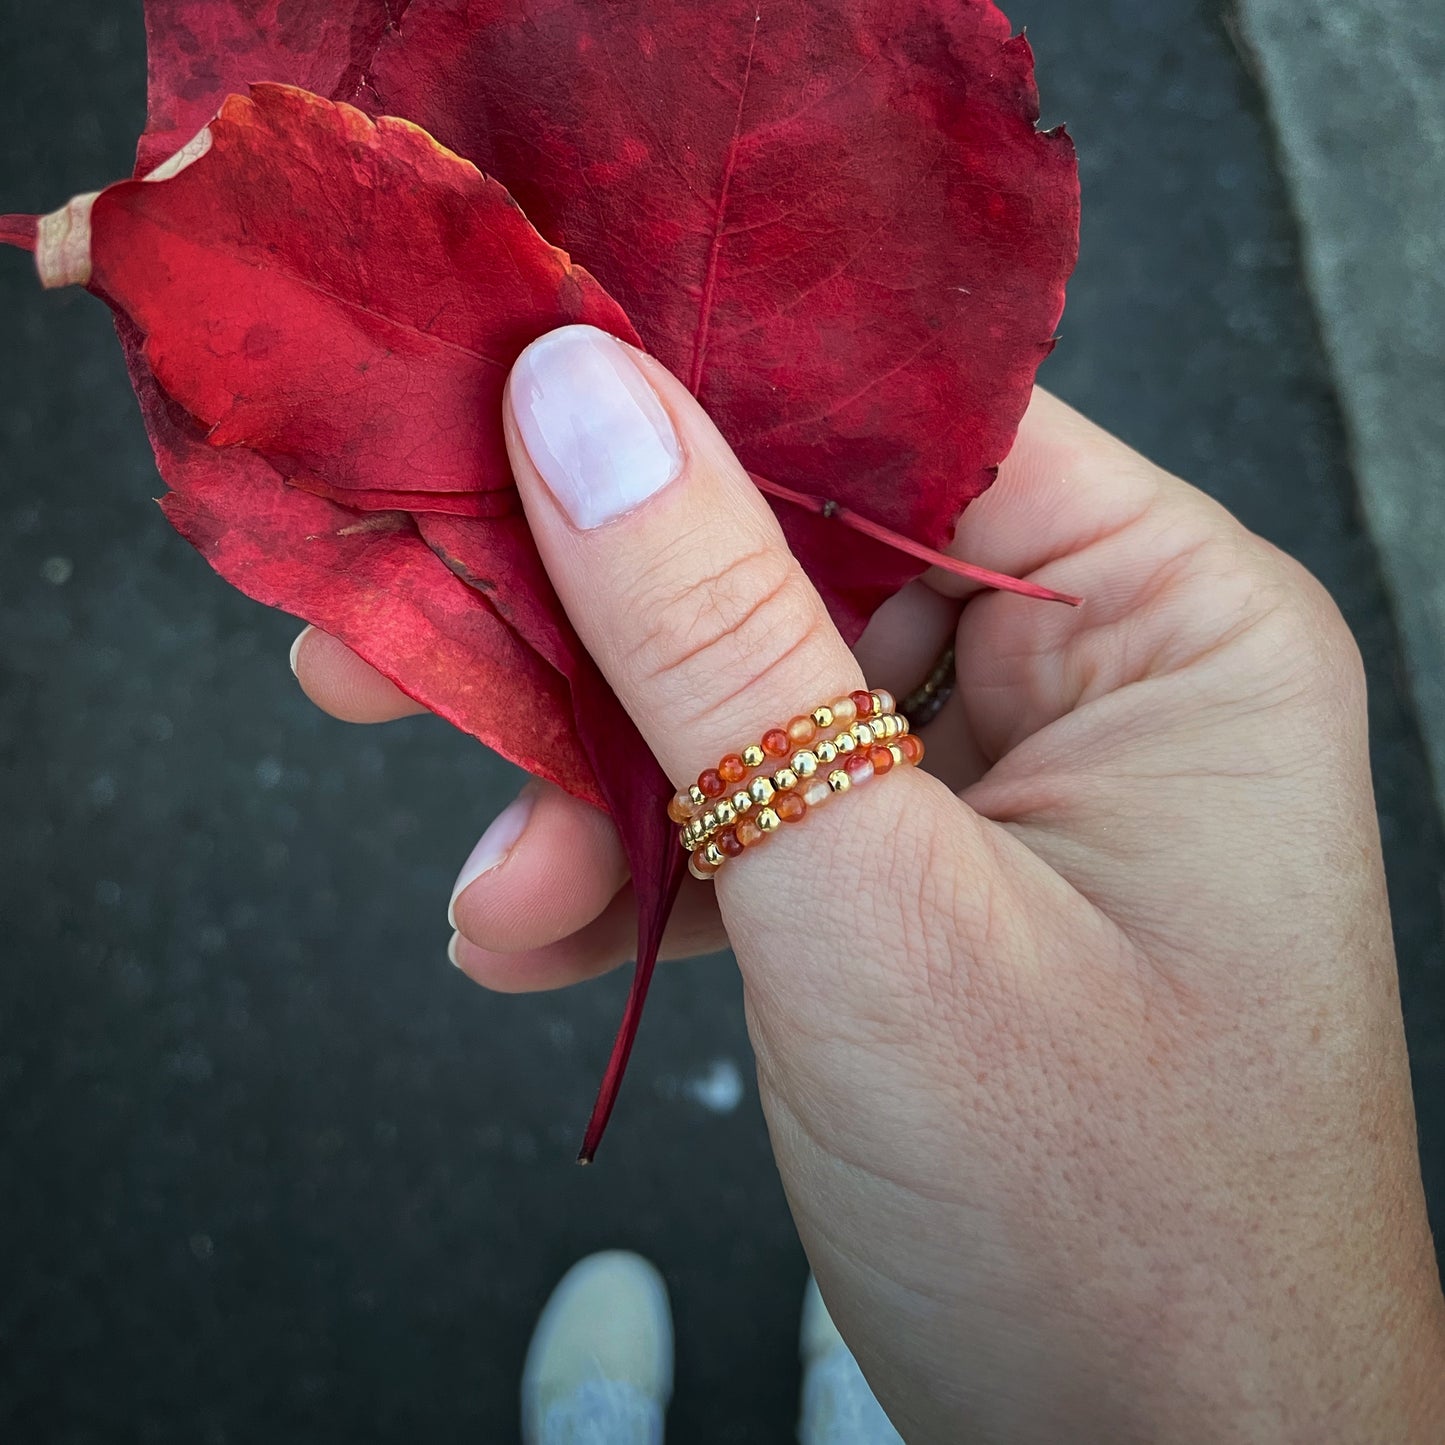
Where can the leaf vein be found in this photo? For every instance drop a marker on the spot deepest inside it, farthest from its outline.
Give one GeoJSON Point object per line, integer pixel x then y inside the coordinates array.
{"type": "Point", "coordinates": [709, 285]}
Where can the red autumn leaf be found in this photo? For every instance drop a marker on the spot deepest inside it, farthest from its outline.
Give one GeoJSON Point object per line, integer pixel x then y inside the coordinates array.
{"type": "Point", "coordinates": [838, 223]}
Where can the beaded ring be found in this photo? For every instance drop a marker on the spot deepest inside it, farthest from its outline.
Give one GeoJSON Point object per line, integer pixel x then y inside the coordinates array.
{"type": "Point", "coordinates": [927, 700]}
{"type": "Point", "coordinates": [740, 804]}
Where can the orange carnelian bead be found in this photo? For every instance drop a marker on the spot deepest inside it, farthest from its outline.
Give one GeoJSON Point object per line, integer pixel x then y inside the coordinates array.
{"type": "Point", "coordinates": [775, 743]}
{"type": "Point", "coordinates": [911, 746]}
{"type": "Point", "coordinates": [881, 759]}
{"type": "Point", "coordinates": [859, 768]}
{"type": "Point", "coordinates": [748, 833]}
{"type": "Point", "coordinates": [732, 769]}
{"type": "Point", "coordinates": [845, 711]}
{"type": "Point", "coordinates": [802, 731]}
{"type": "Point", "coordinates": [711, 783]}
{"type": "Point", "coordinates": [699, 867]}
{"type": "Point", "coordinates": [863, 701]}
{"type": "Point", "coordinates": [790, 807]}
{"type": "Point", "coordinates": [680, 809]}
{"type": "Point", "coordinates": [728, 842]}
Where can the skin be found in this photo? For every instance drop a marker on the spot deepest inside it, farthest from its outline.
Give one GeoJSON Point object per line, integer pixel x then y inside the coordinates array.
{"type": "Point", "coordinates": [1081, 1052]}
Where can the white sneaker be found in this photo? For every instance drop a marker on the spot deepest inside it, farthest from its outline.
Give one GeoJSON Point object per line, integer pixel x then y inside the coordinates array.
{"type": "Point", "coordinates": [599, 1368]}
{"type": "Point", "coordinates": [838, 1407]}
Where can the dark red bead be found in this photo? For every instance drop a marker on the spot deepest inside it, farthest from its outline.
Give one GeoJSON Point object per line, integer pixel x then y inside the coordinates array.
{"type": "Point", "coordinates": [711, 784]}
{"type": "Point", "coordinates": [881, 759]}
{"type": "Point", "coordinates": [858, 763]}
{"type": "Point", "coordinates": [727, 842]}
{"type": "Point", "coordinates": [775, 743]}
{"type": "Point", "coordinates": [863, 701]}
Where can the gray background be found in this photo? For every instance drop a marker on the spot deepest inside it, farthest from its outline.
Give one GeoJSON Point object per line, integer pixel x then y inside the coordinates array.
{"type": "Point", "coordinates": [270, 1169]}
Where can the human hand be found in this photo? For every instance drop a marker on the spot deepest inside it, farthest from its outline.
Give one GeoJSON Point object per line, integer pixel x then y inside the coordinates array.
{"type": "Point", "coordinates": [1082, 1058]}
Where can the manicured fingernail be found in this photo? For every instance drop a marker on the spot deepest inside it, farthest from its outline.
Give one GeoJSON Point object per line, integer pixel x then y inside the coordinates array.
{"type": "Point", "coordinates": [492, 849]}
{"type": "Point", "coordinates": [592, 424]}
{"type": "Point", "coordinates": [296, 646]}
{"type": "Point", "coordinates": [456, 941]}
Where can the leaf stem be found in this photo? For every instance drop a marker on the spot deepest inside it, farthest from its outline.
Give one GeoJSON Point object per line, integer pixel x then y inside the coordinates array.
{"type": "Point", "coordinates": [651, 923]}
{"type": "Point", "coordinates": [19, 231]}
{"type": "Point", "coordinates": [859, 523]}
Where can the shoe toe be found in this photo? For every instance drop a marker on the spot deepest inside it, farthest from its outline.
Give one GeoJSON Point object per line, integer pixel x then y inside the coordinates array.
{"type": "Point", "coordinates": [607, 1322]}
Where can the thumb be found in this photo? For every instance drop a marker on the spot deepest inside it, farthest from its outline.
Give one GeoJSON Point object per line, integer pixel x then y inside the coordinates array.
{"type": "Point", "coordinates": [678, 579]}
{"type": "Point", "coordinates": [671, 565]}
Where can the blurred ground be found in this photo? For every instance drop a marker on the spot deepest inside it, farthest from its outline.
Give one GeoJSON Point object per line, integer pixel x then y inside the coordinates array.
{"type": "Point", "coordinates": [269, 1169]}
{"type": "Point", "coordinates": [1357, 93]}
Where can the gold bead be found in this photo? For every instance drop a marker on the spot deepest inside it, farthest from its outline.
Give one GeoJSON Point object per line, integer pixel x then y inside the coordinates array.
{"type": "Point", "coordinates": [823, 716]}
{"type": "Point", "coordinates": [839, 781]}
{"type": "Point", "coordinates": [886, 727]}
{"type": "Point", "coordinates": [862, 733]}
{"type": "Point", "coordinates": [805, 763]}
{"type": "Point", "coordinates": [878, 707]}
{"type": "Point", "coordinates": [699, 798]}
{"type": "Point", "coordinates": [709, 821]}
{"type": "Point", "coordinates": [845, 742]}
{"type": "Point", "coordinates": [714, 856]}
{"type": "Point", "coordinates": [754, 756]}
{"type": "Point", "coordinates": [727, 815]}
{"type": "Point", "coordinates": [684, 836]}
{"type": "Point", "coordinates": [742, 801]}
{"type": "Point", "coordinates": [768, 820]}
{"type": "Point", "coordinates": [826, 752]}
{"type": "Point", "coordinates": [762, 790]}
{"type": "Point", "coordinates": [903, 724]}
{"type": "Point", "coordinates": [784, 779]}
{"type": "Point", "coordinates": [897, 754]}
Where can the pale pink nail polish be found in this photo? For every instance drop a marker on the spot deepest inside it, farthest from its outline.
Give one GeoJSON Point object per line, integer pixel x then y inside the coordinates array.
{"type": "Point", "coordinates": [592, 424]}
{"type": "Point", "coordinates": [493, 848]}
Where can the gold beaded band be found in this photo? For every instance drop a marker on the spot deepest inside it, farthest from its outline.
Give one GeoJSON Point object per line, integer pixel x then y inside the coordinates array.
{"type": "Point", "coordinates": [806, 763]}
{"type": "Point", "coordinates": [776, 743]}
{"type": "Point", "coordinates": [838, 746]}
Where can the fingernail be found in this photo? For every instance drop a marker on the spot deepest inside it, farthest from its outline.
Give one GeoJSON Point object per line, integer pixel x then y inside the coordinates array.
{"type": "Point", "coordinates": [592, 424]}
{"type": "Point", "coordinates": [492, 849]}
{"type": "Point", "coordinates": [296, 646]}
{"type": "Point", "coordinates": [456, 940]}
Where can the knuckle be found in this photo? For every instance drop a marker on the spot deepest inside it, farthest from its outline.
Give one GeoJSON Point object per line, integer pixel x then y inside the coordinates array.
{"type": "Point", "coordinates": [1302, 632]}
{"type": "Point", "coordinates": [725, 628]}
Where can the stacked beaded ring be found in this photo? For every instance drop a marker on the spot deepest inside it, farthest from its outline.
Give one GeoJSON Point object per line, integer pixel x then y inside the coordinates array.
{"type": "Point", "coordinates": [741, 803]}
{"type": "Point", "coordinates": [927, 700]}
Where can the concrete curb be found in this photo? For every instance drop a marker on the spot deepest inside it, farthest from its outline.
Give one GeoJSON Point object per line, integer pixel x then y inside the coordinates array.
{"type": "Point", "coordinates": [1358, 103]}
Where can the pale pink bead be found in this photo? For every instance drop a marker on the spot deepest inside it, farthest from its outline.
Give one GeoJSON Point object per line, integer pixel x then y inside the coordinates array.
{"type": "Point", "coordinates": [815, 792]}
